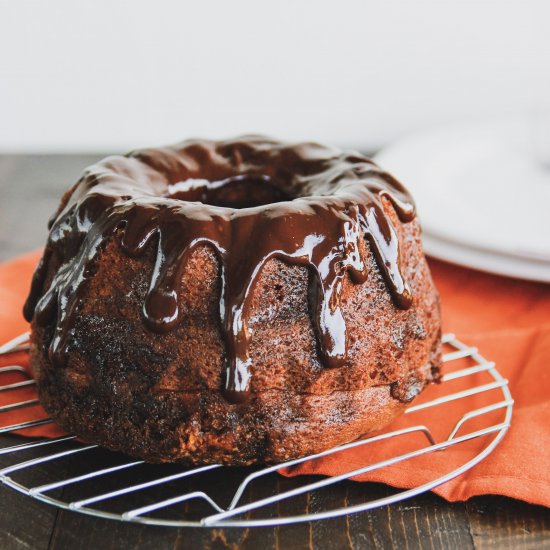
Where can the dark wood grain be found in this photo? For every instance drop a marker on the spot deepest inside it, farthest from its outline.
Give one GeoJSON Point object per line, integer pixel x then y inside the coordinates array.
{"type": "Point", "coordinates": [30, 188]}
{"type": "Point", "coordinates": [496, 522]}
{"type": "Point", "coordinates": [24, 522]}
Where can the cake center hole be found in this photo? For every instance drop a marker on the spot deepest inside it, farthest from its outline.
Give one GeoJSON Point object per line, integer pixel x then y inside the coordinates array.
{"type": "Point", "coordinates": [242, 191]}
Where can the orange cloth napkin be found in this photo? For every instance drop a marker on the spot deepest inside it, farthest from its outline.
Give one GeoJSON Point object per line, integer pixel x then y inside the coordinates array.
{"type": "Point", "coordinates": [508, 320]}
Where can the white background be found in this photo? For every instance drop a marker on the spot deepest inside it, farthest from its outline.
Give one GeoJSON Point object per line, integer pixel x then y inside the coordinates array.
{"type": "Point", "coordinates": [112, 75]}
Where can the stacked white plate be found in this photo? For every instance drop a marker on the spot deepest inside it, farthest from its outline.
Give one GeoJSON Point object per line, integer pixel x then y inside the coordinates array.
{"type": "Point", "coordinates": [482, 193]}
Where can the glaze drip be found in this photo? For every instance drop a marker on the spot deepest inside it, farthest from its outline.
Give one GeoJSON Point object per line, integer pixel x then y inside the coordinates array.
{"type": "Point", "coordinates": [250, 200]}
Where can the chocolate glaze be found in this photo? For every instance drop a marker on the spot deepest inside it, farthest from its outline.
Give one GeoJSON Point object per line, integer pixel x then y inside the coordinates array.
{"type": "Point", "coordinates": [251, 199]}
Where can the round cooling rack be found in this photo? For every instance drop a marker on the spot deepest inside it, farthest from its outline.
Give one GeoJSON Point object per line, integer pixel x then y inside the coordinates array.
{"type": "Point", "coordinates": [88, 479]}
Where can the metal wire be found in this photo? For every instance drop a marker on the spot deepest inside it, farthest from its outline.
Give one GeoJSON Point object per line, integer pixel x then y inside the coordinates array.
{"type": "Point", "coordinates": [495, 387]}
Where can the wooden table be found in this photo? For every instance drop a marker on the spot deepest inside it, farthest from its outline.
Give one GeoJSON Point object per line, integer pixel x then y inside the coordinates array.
{"type": "Point", "coordinates": [30, 187]}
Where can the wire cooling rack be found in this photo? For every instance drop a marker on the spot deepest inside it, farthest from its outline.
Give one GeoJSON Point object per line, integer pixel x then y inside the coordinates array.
{"type": "Point", "coordinates": [91, 480]}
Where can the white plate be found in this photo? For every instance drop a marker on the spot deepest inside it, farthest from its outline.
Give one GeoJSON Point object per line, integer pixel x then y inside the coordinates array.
{"type": "Point", "coordinates": [482, 196]}
{"type": "Point", "coordinates": [500, 264]}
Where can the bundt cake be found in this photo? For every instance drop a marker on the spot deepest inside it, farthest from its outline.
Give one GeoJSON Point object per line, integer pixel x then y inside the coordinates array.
{"type": "Point", "coordinates": [232, 302]}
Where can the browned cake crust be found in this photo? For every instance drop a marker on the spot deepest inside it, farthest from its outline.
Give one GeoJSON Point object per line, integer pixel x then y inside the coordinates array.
{"type": "Point", "coordinates": [158, 396]}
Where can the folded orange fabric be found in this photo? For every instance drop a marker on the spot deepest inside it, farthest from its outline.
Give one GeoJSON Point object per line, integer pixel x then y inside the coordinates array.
{"type": "Point", "coordinates": [508, 320]}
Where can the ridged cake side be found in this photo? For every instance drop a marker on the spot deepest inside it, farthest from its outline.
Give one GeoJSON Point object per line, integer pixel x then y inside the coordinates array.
{"type": "Point", "coordinates": [157, 396]}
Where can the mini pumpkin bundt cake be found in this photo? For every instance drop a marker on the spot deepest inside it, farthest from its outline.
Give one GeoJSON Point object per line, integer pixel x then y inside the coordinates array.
{"type": "Point", "coordinates": [237, 302]}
